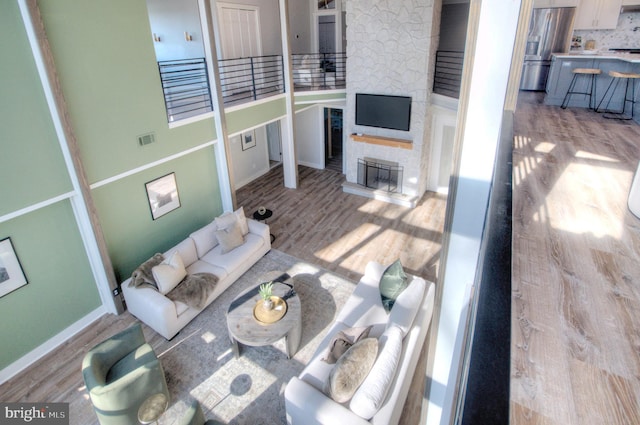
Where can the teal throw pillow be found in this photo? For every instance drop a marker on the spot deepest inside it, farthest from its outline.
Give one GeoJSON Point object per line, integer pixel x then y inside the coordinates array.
{"type": "Point", "coordinates": [392, 283]}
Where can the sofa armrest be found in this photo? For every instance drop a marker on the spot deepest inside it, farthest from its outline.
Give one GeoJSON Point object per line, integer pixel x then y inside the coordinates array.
{"type": "Point", "coordinates": [260, 229]}
{"type": "Point", "coordinates": [306, 405]}
{"type": "Point", "coordinates": [152, 308]}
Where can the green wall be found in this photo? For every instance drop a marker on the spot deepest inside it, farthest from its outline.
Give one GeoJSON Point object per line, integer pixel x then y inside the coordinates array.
{"type": "Point", "coordinates": [26, 124]}
{"type": "Point", "coordinates": [60, 289]}
{"type": "Point", "coordinates": [107, 68]}
{"type": "Point", "coordinates": [255, 115]}
{"type": "Point", "coordinates": [111, 84]}
{"type": "Point", "coordinates": [132, 235]}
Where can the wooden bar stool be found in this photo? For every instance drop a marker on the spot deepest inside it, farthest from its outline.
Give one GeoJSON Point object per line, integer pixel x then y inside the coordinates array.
{"type": "Point", "coordinates": [587, 72]}
{"type": "Point", "coordinates": [617, 76]}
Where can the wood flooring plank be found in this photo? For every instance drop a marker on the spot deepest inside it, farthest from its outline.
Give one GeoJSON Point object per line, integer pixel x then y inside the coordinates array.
{"type": "Point", "coordinates": [576, 274]}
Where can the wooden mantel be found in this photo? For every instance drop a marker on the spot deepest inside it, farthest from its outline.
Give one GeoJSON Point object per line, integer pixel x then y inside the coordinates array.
{"type": "Point", "coordinates": [384, 141]}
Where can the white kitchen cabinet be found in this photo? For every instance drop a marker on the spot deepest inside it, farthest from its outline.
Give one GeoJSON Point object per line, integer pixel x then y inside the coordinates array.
{"type": "Point", "coordinates": [597, 14]}
{"type": "Point", "coordinates": [539, 4]}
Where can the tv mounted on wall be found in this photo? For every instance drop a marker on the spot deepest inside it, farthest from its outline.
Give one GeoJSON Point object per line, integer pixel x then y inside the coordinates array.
{"type": "Point", "coordinates": [377, 110]}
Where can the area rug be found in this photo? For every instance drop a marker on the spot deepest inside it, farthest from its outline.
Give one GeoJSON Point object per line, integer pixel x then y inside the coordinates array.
{"type": "Point", "coordinates": [199, 363]}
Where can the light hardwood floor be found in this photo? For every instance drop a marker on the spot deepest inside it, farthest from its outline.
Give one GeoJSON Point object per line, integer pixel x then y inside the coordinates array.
{"type": "Point", "coordinates": [317, 223]}
{"type": "Point", "coordinates": [575, 356]}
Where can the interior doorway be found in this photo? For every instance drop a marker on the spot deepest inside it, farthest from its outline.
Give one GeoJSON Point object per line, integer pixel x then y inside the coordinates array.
{"type": "Point", "coordinates": [333, 151]}
{"type": "Point", "coordinates": [274, 143]}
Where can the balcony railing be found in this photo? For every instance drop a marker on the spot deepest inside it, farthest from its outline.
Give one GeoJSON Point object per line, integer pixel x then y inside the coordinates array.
{"type": "Point", "coordinates": [448, 73]}
{"type": "Point", "coordinates": [185, 85]}
{"type": "Point", "coordinates": [319, 71]}
{"type": "Point", "coordinates": [253, 78]}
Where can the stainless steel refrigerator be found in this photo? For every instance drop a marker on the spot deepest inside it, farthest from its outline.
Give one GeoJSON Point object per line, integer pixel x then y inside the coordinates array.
{"type": "Point", "coordinates": [550, 32]}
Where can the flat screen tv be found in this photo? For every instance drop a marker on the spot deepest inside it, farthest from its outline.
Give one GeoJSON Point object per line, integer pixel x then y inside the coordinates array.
{"type": "Point", "coordinates": [377, 110]}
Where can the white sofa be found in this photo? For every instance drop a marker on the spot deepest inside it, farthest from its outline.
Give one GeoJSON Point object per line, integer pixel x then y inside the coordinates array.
{"type": "Point", "coordinates": [200, 253]}
{"type": "Point", "coordinates": [305, 399]}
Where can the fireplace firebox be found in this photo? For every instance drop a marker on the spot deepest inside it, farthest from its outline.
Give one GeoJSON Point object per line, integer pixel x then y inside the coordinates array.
{"type": "Point", "coordinates": [379, 174]}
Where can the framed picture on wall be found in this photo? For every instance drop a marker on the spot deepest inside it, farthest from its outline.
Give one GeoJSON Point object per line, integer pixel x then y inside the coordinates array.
{"type": "Point", "coordinates": [163, 195]}
{"type": "Point", "coordinates": [248, 140]}
{"type": "Point", "coordinates": [11, 274]}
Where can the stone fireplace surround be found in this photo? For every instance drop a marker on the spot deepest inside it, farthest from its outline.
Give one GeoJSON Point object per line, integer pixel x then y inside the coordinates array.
{"type": "Point", "coordinates": [389, 50]}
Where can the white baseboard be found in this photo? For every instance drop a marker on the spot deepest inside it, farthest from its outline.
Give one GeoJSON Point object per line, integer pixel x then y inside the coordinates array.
{"type": "Point", "coordinates": [311, 165]}
{"type": "Point", "coordinates": [36, 354]}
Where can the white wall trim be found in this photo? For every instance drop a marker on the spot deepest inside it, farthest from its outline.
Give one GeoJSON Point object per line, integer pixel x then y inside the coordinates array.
{"type": "Point", "coordinates": [191, 120]}
{"type": "Point", "coordinates": [51, 344]}
{"type": "Point", "coordinates": [151, 165]}
{"type": "Point", "coordinates": [37, 206]}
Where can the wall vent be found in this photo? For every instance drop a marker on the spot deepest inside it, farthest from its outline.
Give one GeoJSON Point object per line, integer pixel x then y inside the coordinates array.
{"type": "Point", "coordinates": [146, 139]}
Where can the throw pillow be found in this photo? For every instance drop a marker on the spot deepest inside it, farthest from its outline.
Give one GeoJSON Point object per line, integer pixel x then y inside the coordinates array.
{"type": "Point", "coordinates": [169, 273]}
{"type": "Point", "coordinates": [230, 238]}
{"type": "Point", "coordinates": [368, 399]}
{"type": "Point", "coordinates": [342, 340]}
{"type": "Point", "coordinates": [226, 220]}
{"type": "Point", "coordinates": [392, 283]}
{"type": "Point", "coordinates": [242, 220]}
{"type": "Point", "coordinates": [351, 369]}
{"type": "Point", "coordinates": [407, 305]}
{"type": "Point", "coordinates": [205, 239]}
{"type": "Point", "coordinates": [143, 276]}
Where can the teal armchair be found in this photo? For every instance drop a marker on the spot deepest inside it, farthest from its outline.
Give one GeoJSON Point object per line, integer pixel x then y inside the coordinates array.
{"type": "Point", "coordinates": [120, 374]}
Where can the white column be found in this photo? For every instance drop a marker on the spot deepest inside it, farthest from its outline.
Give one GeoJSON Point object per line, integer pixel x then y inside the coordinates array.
{"type": "Point", "coordinates": [289, 158]}
{"type": "Point", "coordinates": [489, 48]}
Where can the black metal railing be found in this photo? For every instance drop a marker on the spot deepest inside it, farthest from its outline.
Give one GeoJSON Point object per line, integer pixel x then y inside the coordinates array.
{"type": "Point", "coordinates": [319, 71]}
{"type": "Point", "coordinates": [185, 84]}
{"type": "Point", "coordinates": [448, 73]}
{"type": "Point", "coordinates": [253, 78]}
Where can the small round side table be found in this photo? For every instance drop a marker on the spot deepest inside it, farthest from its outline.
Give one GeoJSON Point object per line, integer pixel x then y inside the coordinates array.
{"type": "Point", "coordinates": [152, 408]}
{"type": "Point", "coordinates": [263, 217]}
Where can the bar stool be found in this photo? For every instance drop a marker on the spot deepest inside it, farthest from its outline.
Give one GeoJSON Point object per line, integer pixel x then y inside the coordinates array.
{"type": "Point", "coordinates": [617, 77]}
{"type": "Point", "coordinates": [587, 72]}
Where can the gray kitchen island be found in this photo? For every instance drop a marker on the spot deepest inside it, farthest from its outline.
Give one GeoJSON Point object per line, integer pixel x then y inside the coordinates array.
{"type": "Point", "coordinates": [560, 76]}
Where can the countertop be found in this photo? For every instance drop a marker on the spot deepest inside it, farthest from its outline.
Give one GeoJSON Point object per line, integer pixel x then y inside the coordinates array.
{"type": "Point", "coordinates": [627, 57]}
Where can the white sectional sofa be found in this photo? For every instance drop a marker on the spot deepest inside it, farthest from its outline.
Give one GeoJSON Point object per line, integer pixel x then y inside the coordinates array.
{"type": "Point", "coordinates": [201, 252]}
{"type": "Point", "coordinates": [381, 397]}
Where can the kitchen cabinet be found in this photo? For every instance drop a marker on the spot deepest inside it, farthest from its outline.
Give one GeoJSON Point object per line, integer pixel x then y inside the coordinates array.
{"type": "Point", "coordinates": [540, 4]}
{"type": "Point", "coordinates": [597, 14]}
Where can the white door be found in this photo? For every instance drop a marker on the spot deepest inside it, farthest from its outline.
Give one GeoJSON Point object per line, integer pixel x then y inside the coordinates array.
{"type": "Point", "coordinates": [274, 141]}
{"type": "Point", "coordinates": [239, 38]}
{"type": "Point", "coordinates": [239, 31]}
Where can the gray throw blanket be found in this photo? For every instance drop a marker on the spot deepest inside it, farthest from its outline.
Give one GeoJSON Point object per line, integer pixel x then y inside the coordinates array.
{"type": "Point", "coordinates": [142, 276]}
{"type": "Point", "coordinates": [194, 290]}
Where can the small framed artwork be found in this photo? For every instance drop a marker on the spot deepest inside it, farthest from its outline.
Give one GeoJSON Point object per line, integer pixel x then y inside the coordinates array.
{"type": "Point", "coordinates": [248, 140]}
{"type": "Point", "coordinates": [163, 195]}
{"type": "Point", "coordinates": [11, 274]}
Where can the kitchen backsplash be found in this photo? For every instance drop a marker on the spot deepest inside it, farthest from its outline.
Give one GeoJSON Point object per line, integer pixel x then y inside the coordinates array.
{"type": "Point", "coordinates": [626, 35]}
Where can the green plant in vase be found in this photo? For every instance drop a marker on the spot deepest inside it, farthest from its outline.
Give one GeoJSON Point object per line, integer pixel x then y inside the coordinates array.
{"type": "Point", "coordinates": [266, 291]}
